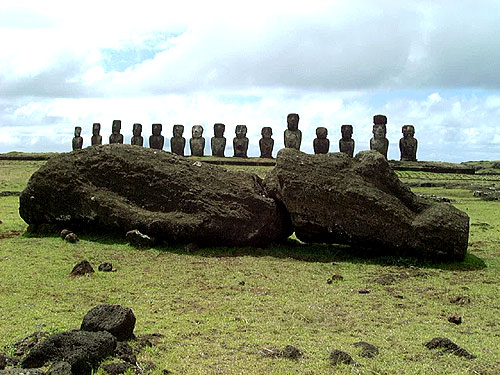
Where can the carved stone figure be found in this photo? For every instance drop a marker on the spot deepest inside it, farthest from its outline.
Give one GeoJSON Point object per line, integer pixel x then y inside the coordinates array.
{"type": "Point", "coordinates": [408, 144]}
{"type": "Point", "coordinates": [77, 139]}
{"type": "Point", "coordinates": [379, 142]}
{"type": "Point", "coordinates": [197, 142]}
{"type": "Point", "coordinates": [115, 136]}
{"type": "Point", "coordinates": [240, 142]}
{"type": "Point", "coordinates": [137, 138]}
{"type": "Point", "coordinates": [321, 144]}
{"type": "Point", "coordinates": [293, 136]}
{"type": "Point", "coordinates": [156, 140]}
{"type": "Point", "coordinates": [218, 143]}
{"type": "Point", "coordinates": [346, 143]}
{"type": "Point", "coordinates": [178, 142]}
{"type": "Point", "coordinates": [96, 137]}
{"type": "Point", "coordinates": [266, 143]}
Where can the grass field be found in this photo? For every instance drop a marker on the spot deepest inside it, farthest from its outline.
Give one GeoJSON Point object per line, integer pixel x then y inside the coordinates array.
{"type": "Point", "coordinates": [219, 309]}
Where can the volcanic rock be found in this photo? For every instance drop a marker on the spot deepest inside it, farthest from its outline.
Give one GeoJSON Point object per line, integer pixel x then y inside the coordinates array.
{"type": "Point", "coordinates": [116, 319]}
{"type": "Point", "coordinates": [338, 357]}
{"type": "Point", "coordinates": [332, 198]}
{"type": "Point", "coordinates": [82, 268]}
{"type": "Point", "coordinates": [82, 350]}
{"type": "Point", "coordinates": [60, 368]}
{"type": "Point", "coordinates": [137, 239]}
{"type": "Point", "coordinates": [123, 187]}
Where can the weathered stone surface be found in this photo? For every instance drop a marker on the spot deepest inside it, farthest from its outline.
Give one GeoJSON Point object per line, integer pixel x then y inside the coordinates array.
{"type": "Point", "coordinates": [3, 361]}
{"type": "Point", "coordinates": [21, 371]}
{"type": "Point", "coordinates": [125, 352]}
{"type": "Point", "coordinates": [122, 187]}
{"type": "Point", "coordinates": [60, 368]}
{"type": "Point", "coordinates": [82, 268]}
{"type": "Point", "coordinates": [116, 368]}
{"type": "Point", "coordinates": [360, 201]}
{"type": "Point", "coordinates": [116, 319]}
{"type": "Point", "coordinates": [338, 357]}
{"type": "Point", "coordinates": [82, 350]}
{"type": "Point", "coordinates": [138, 239]}
{"type": "Point", "coordinates": [448, 346]}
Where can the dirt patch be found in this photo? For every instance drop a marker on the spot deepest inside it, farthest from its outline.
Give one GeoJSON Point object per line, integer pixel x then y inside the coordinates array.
{"type": "Point", "coordinates": [367, 350]}
{"type": "Point", "coordinates": [391, 278]}
{"type": "Point", "coordinates": [289, 351]}
{"type": "Point", "coordinates": [14, 233]}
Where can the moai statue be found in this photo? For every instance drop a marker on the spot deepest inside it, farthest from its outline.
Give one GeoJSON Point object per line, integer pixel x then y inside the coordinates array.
{"type": "Point", "coordinates": [178, 142]}
{"type": "Point", "coordinates": [115, 136]}
{"type": "Point", "coordinates": [218, 143]}
{"type": "Point", "coordinates": [266, 143]}
{"type": "Point", "coordinates": [321, 144]}
{"type": "Point", "coordinates": [240, 142]}
{"type": "Point", "coordinates": [293, 136]}
{"type": "Point", "coordinates": [379, 142]}
{"type": "Point", "coordinates": [77, 139]}
{"type": "Point", "coordinates": [156, 140]}
{"type": "Point", "coordinates": [96, 137]}
{"type": "Point", "coordinates": [346, 143]}
{"type": "Point", "coordinates": [408, 144]}
{"type": "Point", "coordinates": [137, 138]}
{"type": "Point", "coordinates": [197, 142]}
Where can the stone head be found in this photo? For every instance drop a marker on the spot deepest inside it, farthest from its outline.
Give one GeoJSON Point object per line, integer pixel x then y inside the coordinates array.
{"type": "Point", "coordinates": [241, 131]}
{"type": "Point", "coordinates": [156, 129]}
{"type": "Point", "coordinates": [266, 132]}
{"type": "Point", "coordinates": [116, 127]}
{"type": "Point", "coordinates": [78, 131]}
{"type": "Point", "coordinates": [408, 131]}
{"type": "Point", "coordinates": [197, 131]}
{"type": "Point", "coordinates": [379, 131]}
{"type": "Point", "coordinates": [292, 121]}
{"type": "Point", "coordinates": [137, 129]}
{"type": "Point", "coordinates": [321, 132]}
{"type": "Point", "coordinates": [346, 131]}
{"type": "Point", "coordinates": [96, 128]}
{"type": "Point", "coordinates": [219, 130]}
{"type": "Point", "coordinates": [380, 120]}
{"type": "Point", "coordinates": [178, 130]}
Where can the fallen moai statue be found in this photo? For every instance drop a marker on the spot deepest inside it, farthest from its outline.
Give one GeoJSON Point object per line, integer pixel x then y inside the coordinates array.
{"type": "Point", "coordinates": [118, 188]}
{"type": "Point", "coordinates": [360, 201]}
{"type": "Point", "coordinates": [325, 198]}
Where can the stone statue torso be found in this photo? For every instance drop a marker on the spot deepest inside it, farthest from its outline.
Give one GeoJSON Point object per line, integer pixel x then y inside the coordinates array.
{"type": "Point", "coordinates": [197, 146]}
{"type": "Point", "coordinates": [266, 147]}
{"type": "Point", "coordinates": [77, 143]}
{"type": "Point", "coordinates": [137, 140]}
{"type": "Point", "coordinates": [347, 146]}
{"type": "Point", "coordinates": [177, 145]}
{"type": "Point", "coordinates": [293, 138]}
{"type": "Point", "coordinates": [240, 146]}
{"type": "Point", "coordinates": [380, 145]}
{"type": "Point", "coordinates": [408, 148]}
{"type": "Point", "coordinates": [156, 141]}
{"type": "Point", "coordinates": [321, 145]}
{"type": "Point", "coordinates": [218, 145]}
{"type": "Point", "coordinates": [96, 140]}
{"type": "Point", "coordinates": [115, 138]}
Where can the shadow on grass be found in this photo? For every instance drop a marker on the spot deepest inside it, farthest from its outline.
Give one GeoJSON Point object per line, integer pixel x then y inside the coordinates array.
{"type": "Point", "coordinates": [294, 249]}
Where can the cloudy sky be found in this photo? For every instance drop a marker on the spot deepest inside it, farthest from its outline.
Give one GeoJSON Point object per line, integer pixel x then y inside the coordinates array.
{"type": "Point", "coordinates": [434, 64]}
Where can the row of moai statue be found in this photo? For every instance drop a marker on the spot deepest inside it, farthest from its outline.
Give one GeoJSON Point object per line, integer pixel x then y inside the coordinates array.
{"type": "Point", "coordinates": [292, 139]}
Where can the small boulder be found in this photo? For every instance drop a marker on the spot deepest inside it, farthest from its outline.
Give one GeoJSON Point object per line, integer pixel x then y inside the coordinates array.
{"type": "Point", "coordinates": [116, 319]}
{"type": "Point", "coordinates": [448, 346]}
{"type": "Point", "coordinates": [71, 237]}
{"type": "Point", "coordinates": [82, 268]}
{"type": "Point", "coordinates": [64, 233]}
{"type": "Point", "coordinates": [83, 350]}
{"type": "Point", "coordinates": [338, 357]}
{"type": "Point", "coordinates": [106, 267]}
{"type": "Point", "coordinates": [139, 240]}
{"type": "Point", "coordinates": [455, 318]}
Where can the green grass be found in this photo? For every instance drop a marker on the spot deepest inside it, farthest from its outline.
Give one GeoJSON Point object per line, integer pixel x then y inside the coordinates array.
{"type": "Point", "coordinates": [215, 325]}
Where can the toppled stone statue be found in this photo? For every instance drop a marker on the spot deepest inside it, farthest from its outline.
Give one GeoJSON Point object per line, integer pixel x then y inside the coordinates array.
{"type": "Point", "coordinates": [321, 144]}
{"type": "Point", "coordinates": [218, 142]}
{"type": "Point", "coordinates": [161, 194]}
{"type": "Point", "coordinates": [240, 142]}
{"type": "Point", "coordinates": [197, 142]}
{"type": "Point", "coordinates": [178, 142]}
{"type": "Point", "coordinates": [77, 139]}
{"type": "Point", "coordinates": [346, 143]}
{"type": "Point", "coordinates": [96, 137]}
{"type": "Point", "coordinates": [137, 139]}
{"type": "Point", "coordinates": [266, 143]}
{"type": "Point", "coordinates": [115, 136]}
{"type": "Point", "coordinates": [156, 140]}
{"type": "Point", "coordinates": [408, 144]}
{"type": "Point", "coordinates": [293, 136]}
{"type": "Point", "coordinates": [333, 198]}
{"type": "Point", "coordinates": [379, 142]}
